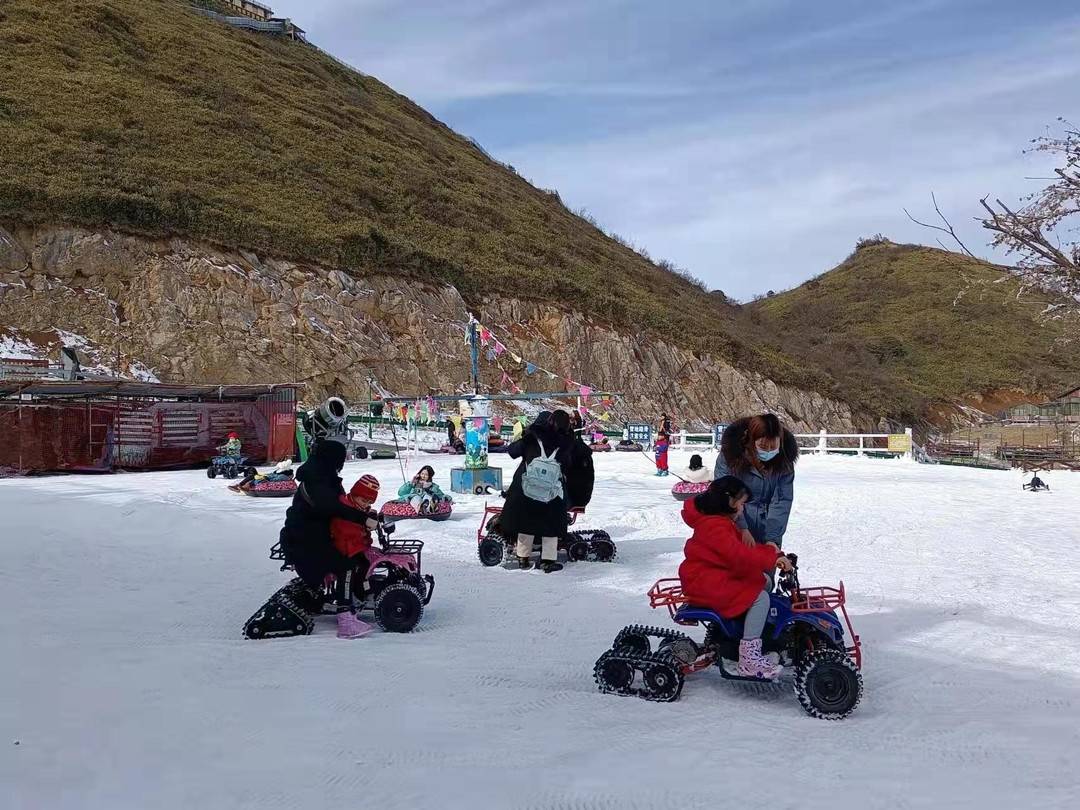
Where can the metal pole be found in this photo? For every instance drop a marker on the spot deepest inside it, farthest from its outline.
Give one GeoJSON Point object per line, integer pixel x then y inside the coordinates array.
{"type": "Point", "coordinates": [475, 352]}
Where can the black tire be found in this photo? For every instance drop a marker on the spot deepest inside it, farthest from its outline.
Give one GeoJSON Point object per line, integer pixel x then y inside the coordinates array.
{"type": "Point", "coordinates": [615, 674]}
{"type": "Point", "coordinates": [479, 489]}
{"type": "Point", "coordinates": [634, 643]}
{"type": "Point", "coordinates": [491, 550]}
{"type": "Point", "coordinates": [828, 684]}
{"type": "Point", "coordinates": [399, 608]}
{"type": "Point", "coordinates": [577, 551]}
{"type": "Point", "coordinates": [361, 453]}
{"type": "Point", "coordinates": [603, 550]}
{"type": "Point", "coordinates": [211, 472]}
{"type": "Point", "coordinates": [663, 682]}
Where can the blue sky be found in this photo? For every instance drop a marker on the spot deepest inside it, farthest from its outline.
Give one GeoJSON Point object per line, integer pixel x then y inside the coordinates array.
{"type": "Point", "coordinates": [750, 142]}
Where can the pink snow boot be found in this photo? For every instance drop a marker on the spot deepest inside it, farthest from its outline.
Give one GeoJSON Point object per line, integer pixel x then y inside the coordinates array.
{"type": "Point", "coordinates": [752, 664]}
{"type": "Point", "coordinates": [348, 626]}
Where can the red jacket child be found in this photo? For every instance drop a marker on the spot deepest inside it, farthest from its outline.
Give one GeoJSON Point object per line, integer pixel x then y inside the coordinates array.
{"type": "Point", "coordinates": [355, 538]}
{"type": "Point", "coordinates": [720, 572]}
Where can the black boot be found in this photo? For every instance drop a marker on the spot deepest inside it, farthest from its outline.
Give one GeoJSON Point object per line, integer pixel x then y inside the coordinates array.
{"type": "Point", "coordinates": [548, 566]}
{"type": "Point", "coordinates": [524, 563]}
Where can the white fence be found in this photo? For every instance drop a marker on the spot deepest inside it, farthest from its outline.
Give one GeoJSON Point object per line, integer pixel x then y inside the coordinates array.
{"type": "Point", "coordinates": [824, 443]}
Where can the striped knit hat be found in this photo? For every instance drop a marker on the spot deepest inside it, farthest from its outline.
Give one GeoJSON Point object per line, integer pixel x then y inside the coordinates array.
{"type": "Point", "coordinates": [366, 488]}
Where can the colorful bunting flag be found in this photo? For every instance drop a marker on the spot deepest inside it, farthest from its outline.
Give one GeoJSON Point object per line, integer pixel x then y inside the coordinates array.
{"type": "Point", "coordinates": [530, 368]}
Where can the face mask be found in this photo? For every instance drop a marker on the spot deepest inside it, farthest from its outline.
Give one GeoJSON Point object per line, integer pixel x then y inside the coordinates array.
{"type": "Point", "coordinates": [768, 455]}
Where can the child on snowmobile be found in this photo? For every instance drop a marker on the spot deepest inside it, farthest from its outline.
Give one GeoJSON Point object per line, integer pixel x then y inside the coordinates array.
{"type": "Point", "coordinates": [352, 540]}
{"type": "Point", "coordinates": [661, 451]}
{"type": "Point", "coordinates": [422, 492]}
{"type": "Point", "coordinates": [697, 473]}
{"type": "Point", "coordinates": [722, 573]}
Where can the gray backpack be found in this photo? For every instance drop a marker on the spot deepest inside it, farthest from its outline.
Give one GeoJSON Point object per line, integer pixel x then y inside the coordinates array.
{"type": "Point", "coordinates": [543, 478]}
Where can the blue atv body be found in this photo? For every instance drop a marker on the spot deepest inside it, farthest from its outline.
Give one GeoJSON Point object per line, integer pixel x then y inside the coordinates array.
{"type": "Point", "coordinates": [227, 466]}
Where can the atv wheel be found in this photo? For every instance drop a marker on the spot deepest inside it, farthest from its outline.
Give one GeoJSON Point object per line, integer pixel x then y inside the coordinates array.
{"type": "Point", "coordinates": [662, 682]}
{"type": "Point", "coordinates": [211, 472]}
{"type": "Point", "coordinates": [361, 453]}
{"type": "Point", "coordinates": [399, 608]}
{"type": "Point", "coordinates": [828, 684]}
{"type": "Point", "coordinates": [633, 643]}
{"type": "Point", "coordinates": [615, 674]}
{"type": "Point", "coordinates": [577, 551]}
{"type": "Point", "coordinates": [491, 551]}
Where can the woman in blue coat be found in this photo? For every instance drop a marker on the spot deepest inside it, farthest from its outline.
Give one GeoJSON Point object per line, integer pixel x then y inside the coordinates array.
{"type": "Point", "coordinates": [761, 453]}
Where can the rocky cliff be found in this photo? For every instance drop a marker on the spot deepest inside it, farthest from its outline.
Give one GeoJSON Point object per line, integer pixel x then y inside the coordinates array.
{"type": "Point", "coordinates": [191, 312]}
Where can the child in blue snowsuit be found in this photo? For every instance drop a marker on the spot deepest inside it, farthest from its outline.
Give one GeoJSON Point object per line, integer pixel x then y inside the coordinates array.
{"type": "Point", "coordinates": [661, 450]}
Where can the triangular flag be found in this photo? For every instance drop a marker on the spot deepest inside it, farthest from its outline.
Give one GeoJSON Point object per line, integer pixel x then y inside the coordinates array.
{"type": "Point", "coordinates": [550, 376]}
{"type": "Point", "coordinates": [485, 335]}
{"type": "Point", "coordinates": [585, 391]}
{"type": "Point", "coordinates": [605, 417]}
{"type": "Point", "coordinates": [529, 368]}
{"type": "Point", "coordinates": [499, 348]}
{"type": "Point", "coordinates": [516, 358]}
{"type": "Point", "coordinates": [496, 423]}
{"type": "Point", "coordinates": [491, 354]}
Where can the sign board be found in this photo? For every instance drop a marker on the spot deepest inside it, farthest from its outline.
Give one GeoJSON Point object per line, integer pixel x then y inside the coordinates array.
{"type": "Point", "coordinates": [899, 443]}
{"type": "Point", "coordinates": [640, 432]}
{"type": "Point", "coordinates": [718, 433]}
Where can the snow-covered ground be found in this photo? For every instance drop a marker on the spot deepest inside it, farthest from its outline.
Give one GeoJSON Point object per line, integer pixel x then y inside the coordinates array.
{"type": "Point", "coordinates": [126, 684]}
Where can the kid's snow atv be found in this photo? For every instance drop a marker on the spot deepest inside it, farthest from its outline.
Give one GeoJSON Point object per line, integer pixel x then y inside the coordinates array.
{"type": "Point", "coordinates": [803, 629]}
{"type": "Point", "coordinates": [228, 467]}
{"type": "Point", "coordinates": [594, 545]}
{"type": "Point", "coordinates": [393, 587]}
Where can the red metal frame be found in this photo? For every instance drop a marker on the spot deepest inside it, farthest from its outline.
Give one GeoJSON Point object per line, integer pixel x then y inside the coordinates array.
{"type": "Point", "coordinates": [668, 593]}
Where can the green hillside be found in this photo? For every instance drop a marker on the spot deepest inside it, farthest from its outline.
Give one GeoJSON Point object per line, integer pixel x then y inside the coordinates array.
{"type": "Point", "coordinates": [144, 115]}
{"type": "Point", "coordinates": [904, 328]}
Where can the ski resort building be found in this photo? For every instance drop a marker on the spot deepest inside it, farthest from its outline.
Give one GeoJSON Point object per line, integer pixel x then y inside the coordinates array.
{"type": "Point", "coordinates": [100, 425]}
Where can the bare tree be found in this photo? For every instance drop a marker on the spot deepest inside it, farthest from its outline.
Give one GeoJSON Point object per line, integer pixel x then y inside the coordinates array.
{"type": "Point", "coordinates": [1043, 230]}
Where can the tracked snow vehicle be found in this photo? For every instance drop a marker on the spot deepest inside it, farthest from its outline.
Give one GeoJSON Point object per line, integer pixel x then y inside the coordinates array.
{"type": "Point", "coordinates": [803, 631]}
{"type": "Point", "coordinates": [593, 545]}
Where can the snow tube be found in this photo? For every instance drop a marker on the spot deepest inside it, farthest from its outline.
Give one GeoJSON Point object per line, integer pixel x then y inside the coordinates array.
{"type": "Point", "coordinates": [684, 490]}
{"type": "Point", "coordinates": [403, 510]}
{"type": "Point", "coordinates": [600, 448]}
{"type": "Point", "coordinates": [449, 448]}
{"type": "Point", "coordinates": [270, 489]}
{"type": "Point", "coordinates": [633, 447]}
{"type": "Point", "coordinates": [383, 454]}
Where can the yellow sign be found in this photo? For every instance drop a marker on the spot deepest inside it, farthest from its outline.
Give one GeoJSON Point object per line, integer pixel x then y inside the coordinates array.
{"type": "Point", "coordinates": [899, 443]}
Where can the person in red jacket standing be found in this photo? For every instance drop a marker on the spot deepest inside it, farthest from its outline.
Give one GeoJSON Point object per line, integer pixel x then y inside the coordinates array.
{"type": "Point", "coordinates": [722, 573]}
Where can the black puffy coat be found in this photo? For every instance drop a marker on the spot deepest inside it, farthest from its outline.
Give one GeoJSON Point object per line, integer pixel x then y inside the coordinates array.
{"type": "Point", "coordinates": [521, 514]}
{"type": "Point", "coordinates": [580, 477]}
{"type": "Point", "coordinates": [305, 539]}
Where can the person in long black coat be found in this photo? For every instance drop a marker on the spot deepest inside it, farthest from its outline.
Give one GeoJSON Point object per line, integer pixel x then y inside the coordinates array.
{"type": "Point", "coordinates": [528, 519]}
{"type": "Point", "coordinates": [305, 538]}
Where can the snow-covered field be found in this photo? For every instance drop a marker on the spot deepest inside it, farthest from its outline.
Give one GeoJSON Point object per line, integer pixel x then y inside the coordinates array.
{"type": "Point", "coordinates": [124, 682]}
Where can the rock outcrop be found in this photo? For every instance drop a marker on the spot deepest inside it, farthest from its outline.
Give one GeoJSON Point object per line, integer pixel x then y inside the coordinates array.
{"type": "Point", "coordinates": [192, 312]}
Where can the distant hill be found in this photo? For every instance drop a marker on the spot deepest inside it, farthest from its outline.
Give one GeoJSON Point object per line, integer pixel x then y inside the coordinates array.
{"type": "Point", "coordinates": [919, 332]}
{"type": "Point", "coordinates": [146, 116]}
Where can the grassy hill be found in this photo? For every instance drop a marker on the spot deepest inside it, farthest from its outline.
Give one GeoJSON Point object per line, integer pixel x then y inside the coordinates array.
{"type": "Point", "coordinates": [903, 329]}
{"type": "Point", "coordinates": [146, 116]}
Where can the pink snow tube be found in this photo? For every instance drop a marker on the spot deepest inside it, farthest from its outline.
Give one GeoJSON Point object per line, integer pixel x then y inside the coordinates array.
{"type": "Point", "coordinates": [684, 490]}
{"type": "Point", "coordinates": [403, 510]}
{"type": "Point", "coordinates": [270, 489]}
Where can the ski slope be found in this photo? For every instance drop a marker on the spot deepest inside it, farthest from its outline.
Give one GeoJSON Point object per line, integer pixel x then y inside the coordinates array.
{"type": "Point", "coordinates": [125, 682]}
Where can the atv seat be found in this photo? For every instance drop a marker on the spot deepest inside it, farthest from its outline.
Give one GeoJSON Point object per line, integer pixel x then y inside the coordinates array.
{"type": "Point", "coordinates": [693, 614]}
